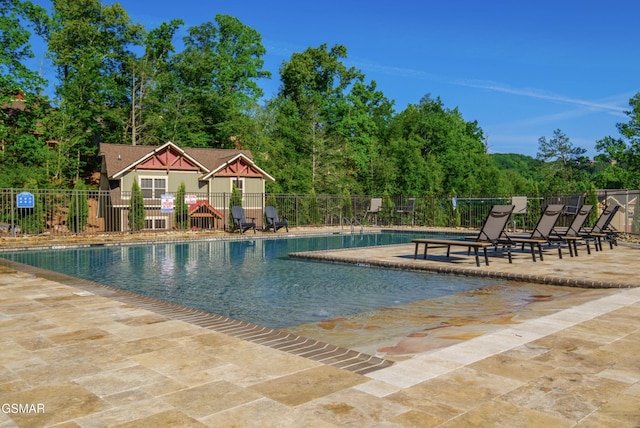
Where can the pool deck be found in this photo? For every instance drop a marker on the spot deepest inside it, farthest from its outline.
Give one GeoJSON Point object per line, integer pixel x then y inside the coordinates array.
{"type": "Point", "coordinates": [79, 356]}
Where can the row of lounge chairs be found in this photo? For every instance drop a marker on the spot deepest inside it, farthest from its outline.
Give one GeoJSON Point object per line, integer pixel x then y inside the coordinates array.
{"type": "Point", "coordinates": [241, 224]}
{"type": "Point", "coordinates": [493, 234]}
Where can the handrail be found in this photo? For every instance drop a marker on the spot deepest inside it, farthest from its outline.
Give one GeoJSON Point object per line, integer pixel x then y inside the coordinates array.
{"type": "Point", "coordinates": [356, 221]}
{"type": "Point", "coordinates": [352, 222]}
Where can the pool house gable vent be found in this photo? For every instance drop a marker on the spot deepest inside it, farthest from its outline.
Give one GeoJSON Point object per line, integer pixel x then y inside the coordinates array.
{"type": "Point", "coordinates": [238, 165]}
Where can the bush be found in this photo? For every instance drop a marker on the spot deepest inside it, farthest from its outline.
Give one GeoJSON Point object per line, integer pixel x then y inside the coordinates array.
{"type": "Point", "coordinates": [136, 214]}
{"type": "Point", "coordinates": [181, 209]}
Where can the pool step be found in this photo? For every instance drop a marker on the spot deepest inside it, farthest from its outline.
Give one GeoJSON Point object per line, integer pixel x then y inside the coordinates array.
{"type": "Point", "coordinates": [325, 353]}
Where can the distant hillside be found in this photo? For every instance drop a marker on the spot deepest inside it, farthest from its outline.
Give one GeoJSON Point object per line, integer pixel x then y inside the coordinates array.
{"type": "Point", "coordinates": [527, 166]}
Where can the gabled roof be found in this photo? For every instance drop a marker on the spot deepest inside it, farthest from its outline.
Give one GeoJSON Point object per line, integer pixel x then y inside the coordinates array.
{"type": "Point", "coordinates": [120, 158]}
{"type": "Point", "coordinates": [239, 157]}
{"type": "Point", "coordinates": [203, 208]}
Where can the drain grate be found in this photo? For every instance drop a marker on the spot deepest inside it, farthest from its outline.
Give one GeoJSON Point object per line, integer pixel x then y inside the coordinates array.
{"type": "Point", "coordinates": [312, 349]}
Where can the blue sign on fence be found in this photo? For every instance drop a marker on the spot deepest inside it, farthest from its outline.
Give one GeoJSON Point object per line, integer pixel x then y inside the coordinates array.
{"type": "Point", "coordinates": [25, 200]}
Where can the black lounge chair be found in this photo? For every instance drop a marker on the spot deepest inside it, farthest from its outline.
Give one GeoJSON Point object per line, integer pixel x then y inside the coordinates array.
{"type": "Point", "coordinates": [272, 220]}
{"type": "Point", "coordinates": [240, 222]}
{"type": "Point", "coordinates": [489, 236]}
{"type": "Point", "coordinates": [541, 233]}
{"type": "Point", "coordinates": [572, 234]}
{"type": "Point", "coordinates": [602, 229]}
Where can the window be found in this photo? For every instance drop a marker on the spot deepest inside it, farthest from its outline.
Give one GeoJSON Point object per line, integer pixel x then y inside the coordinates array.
{"type": "Point", "coordinates": [239, 183]}
{"type": "Point", "coordinates": [153, 188]}
{"type": "Point", "coordinates": [155, 223]}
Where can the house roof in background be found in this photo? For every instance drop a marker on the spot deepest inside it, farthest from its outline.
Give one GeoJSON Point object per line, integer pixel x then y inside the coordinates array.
{"type": "Point", "coordinates": [119, 158]}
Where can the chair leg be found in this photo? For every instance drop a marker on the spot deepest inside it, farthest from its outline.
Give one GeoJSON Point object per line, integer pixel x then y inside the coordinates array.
{"type": "Point", "coordinates": [533, 251]}
{"type": "Point", "coordinates": [475, 252]}
{"type": "Point", "coordinates": [486, 258]}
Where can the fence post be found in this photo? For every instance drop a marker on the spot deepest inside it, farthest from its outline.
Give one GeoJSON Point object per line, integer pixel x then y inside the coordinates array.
{"type": "Point", "coordinates": [13, 215]}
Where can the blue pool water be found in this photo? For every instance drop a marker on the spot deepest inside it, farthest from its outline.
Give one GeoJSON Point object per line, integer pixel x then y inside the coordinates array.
{"type": "Point", "coordinates": [254, 280]}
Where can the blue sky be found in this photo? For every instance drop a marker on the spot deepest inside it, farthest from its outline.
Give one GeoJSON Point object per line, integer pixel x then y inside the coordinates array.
{"type": "Point", "coordinates": [520, 68]}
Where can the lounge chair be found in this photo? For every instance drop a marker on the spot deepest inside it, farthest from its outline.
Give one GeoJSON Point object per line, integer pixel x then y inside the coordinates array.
{"type": "Point", "coordinates": [272, 220]}
{"type": "Point", "coordinates": [540, 234]}
{"type": "Point", "coordinates": [375, 206]}
{"type": "Point", "coordinates": [602, 230]}
{"type": "Point", "coordinates": [489, 236]}
{"type": "Point", "coordinates": [573, 205]}
{"type": "Point", "coordinates": [240, 222]}
{"type": "Point", "coordinates": [572, 234]}
{"type": "Point", "coordinates": [409, 210]}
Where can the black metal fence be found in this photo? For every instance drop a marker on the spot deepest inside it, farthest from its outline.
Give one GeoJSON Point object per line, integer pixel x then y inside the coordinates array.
{"type": "Point", "coordinates": [38, 211]}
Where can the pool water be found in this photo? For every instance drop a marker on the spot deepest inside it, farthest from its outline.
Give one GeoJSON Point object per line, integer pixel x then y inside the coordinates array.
{"type": "Point", "coordinates": [254, 280]}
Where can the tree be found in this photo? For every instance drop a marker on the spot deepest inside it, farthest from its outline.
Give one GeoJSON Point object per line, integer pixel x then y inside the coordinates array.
{"type": "Point", "coordinates": [90, 46]}
{"type": "Point", "coordinates": [329, 121]}
{"type": "Point", "coordinates": [436, 150]}
{"type": "Point", "coordinates": [136, 215]}
{"type": "Point", "coordinates": [24, 154]}
{"type": "Point", "coordinates": [182, 209]}
{"type": "Point", "coordinates": [15, 77]}
{"type": "Point", "coordinates": [558, 148]}
{"type": "Point", "coordinates": [592, 199]}
{"type": "Point", "coordinates": [148, 94]}
{"type": "Point", "coordinates": [214, 83]}
{"type": "Point", "coordinates": [623, 154]}
{"type": "Point", "coordinates": [562, 162]}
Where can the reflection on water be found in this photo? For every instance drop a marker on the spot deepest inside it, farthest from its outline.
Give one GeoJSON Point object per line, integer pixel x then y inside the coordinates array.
{"type": "Point", "coordinates": [254, 280]}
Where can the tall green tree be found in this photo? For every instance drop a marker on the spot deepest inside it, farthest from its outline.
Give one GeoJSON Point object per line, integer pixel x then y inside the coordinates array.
{"type": "Point", "coordinates": [90, 46]}
{"type": "Point", "coordinates": [215, 83]}
{"type": "Point", "coordinates": [16, 19]}
{"type": "Point", "coordinates": [136, 215]}
{"type": "Point", "coordinates": [622, 154]}
{"type": "Point", "coordinates": [361, 121]}
{"type": "Point", "coordinates": [23, 154]}
{"type": "Point", "coordinates": [436, 150]}
{"type": "Point", "coordinates": [330, 121]}
{"type": "Point", "coordinates": [151, 77]}
{"type": "Point", "coordinates": [181, 209]}
{"type": "Point", "coordinates": [313, 82]}
{"type": "Point", "coordinates": [562, 160]}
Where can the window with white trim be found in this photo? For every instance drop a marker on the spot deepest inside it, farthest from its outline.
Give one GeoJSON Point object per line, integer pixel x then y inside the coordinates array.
{"type": "Point", "coordinates": [155, 223]}
{"type": "Point", "coordinates": [239, 183]}
{"type": "Point", "coordinates": [153, 187]}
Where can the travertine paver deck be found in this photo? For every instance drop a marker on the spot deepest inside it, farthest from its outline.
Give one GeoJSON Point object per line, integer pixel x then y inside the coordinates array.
{"type": "Point", "coordinates": [91, 360]}
{"type": "Point", "coordinates": [614, 268]}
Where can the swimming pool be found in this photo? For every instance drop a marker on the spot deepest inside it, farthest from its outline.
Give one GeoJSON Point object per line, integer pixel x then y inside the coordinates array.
{"type": "Point", "coordinates": [254, 280]}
